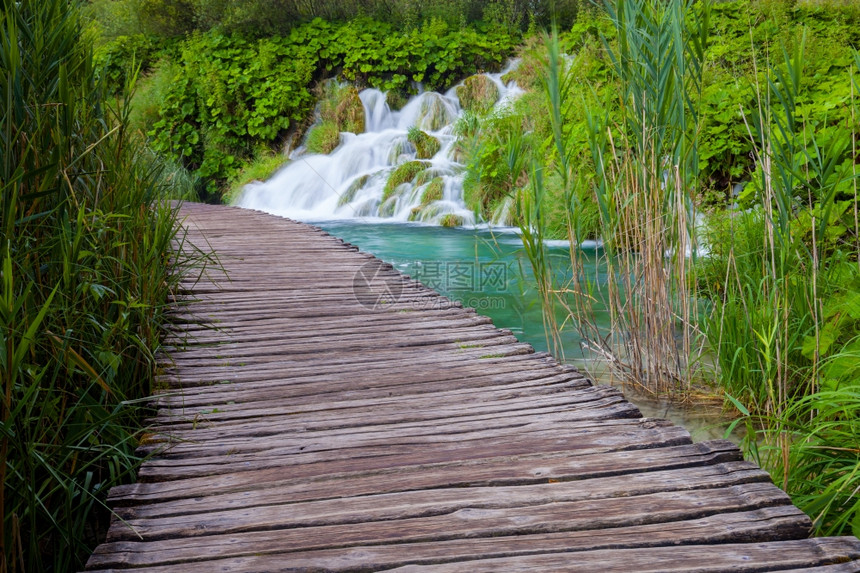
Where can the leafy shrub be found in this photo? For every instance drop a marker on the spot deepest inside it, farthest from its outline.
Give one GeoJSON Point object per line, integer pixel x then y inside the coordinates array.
{"type": "Point", "coordinates": [166, 18]}
{"type": "Point", "coordinates": [231, 97]}
{"type": "Point", "coordinates": [150, 92]}
{"type": "Point", "coordinates": [120, 57]}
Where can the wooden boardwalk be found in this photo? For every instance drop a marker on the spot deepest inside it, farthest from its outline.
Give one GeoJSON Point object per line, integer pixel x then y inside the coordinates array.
{"type": "Point", "coordinates": [310, 429]}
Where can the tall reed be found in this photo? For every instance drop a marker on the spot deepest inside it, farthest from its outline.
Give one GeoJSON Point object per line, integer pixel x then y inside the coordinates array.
{"type": "Point", "coordinates": [85, 246]}
{"type": "Point", "coordinates": [645, 166]}
{"type": "Point", "coordinates": [645, 163]}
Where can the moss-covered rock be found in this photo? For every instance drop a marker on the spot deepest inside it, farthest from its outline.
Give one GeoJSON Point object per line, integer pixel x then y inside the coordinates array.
{"type": "Point", "coordinates": [398, 148]}
{"type": "Point", "coordinates": [433, 192]}
{"type": "Point", "coordinates": [396, 100]}
{"type": "Point", "coordinates": [323, 137]}
{"type": "Point", "coordinates": [349, 112]}
{"type": "Point", "coordinates": [402, 174]}
{"type": "Point", "coordinates": [353, 188]}
{"type": "Point", "coordinates": [451, 220]}
{"type": "Point", "coordinates": [478, 94]}
{"type": "Point", "coordinates": [425, 176]}
{"type": "Point", "coordinates": [430, 194]}
{"type": "Point", "coordinates": [426, 146]}
{"type": "Point", "coordinates": [435, 112]}
{"type": "Point", "coordinates": [340, 109]}
{"type": "Point", "coordinates": [388, 206]}
{"type": "Point", "coordinates": [424, 213]}
{"type": "Point", "coordinates": [533, 61]}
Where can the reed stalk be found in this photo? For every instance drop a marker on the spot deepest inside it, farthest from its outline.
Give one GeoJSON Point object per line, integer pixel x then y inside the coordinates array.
{"type": "Point", "coordinates": [646, 163]}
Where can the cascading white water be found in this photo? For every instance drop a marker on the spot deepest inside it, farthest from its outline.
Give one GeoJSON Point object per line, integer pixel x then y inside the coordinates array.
{"type": "Point", "coordinates": [350, 182]}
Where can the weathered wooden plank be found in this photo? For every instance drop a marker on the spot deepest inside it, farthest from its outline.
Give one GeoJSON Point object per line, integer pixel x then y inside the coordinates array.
{"type": "Point", "coordinates": [212, 445]}
{"type": "Point", "coordinates": [764, 556]}
{"type": "Point", "coordinates": [426, 489]}
{"type": "Point", "coordinates": [307, 390]}
{"type": "Point", "coordinates": [307, 401]}
{"type": "Point", "coordinates": [333, 480]}
{"type": "Point", "coordinates": [418, 361]}
{"type": "Point", "coordinates": [344, 415]}
{"type": "Point", "coordinates": [684, 494]}
{"type": "Point", "coordinates": [658, 509]}
{"type": "Point", "coordinates": [766, 524]}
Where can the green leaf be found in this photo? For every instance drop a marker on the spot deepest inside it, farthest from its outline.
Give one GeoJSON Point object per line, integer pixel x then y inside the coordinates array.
{"type": "Point", "coordinates": [826, 337]}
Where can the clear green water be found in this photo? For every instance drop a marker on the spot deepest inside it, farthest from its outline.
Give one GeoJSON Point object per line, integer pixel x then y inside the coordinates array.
{"type": "Point", "coordinates": [489, 272]}
{"type": "Point", "coordinates": [481, 269]}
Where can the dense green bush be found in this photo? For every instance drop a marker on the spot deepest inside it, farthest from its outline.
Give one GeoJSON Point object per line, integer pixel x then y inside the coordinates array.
{"type": "Point", "coordinates": [227, 97]}
{"type": "Point", "coordinates": [123, 56]}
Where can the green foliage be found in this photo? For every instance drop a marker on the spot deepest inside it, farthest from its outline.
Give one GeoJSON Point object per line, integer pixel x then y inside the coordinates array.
{"type": "Point", "coordinates": [490, 179]}
{"type": "Point", "coordinates": [783, 279]}
{"type": "Point", "coordinates": [396, 100]}
{"type": "Point", "coordinates": [85, 240]}
{"type": "Point", "coordinates": [340, 109]}
{"type": "Point", "coordinates": [349, 113]}
{"type": "Point", "coordinates": [489, 182]}
{"type": "Point", "coordinates": [249, 18]}
{"type": "Point", "coordinates": [230, 97]}
{"type": "Point", "coordinates": [532, 67]}
{"type": "Point", "coordinates": [150, 92]}
{"type": "Point", "coordinates": [785, 251]}
{"type": "Point", "coordinates": [167, 18]}
{"type": "Point", "coordinates": [426, 146]}
{"type": "Point", "coordinates": [744, 31]}
{"type": "Point", "coordinates": [265, 18]}
{"type": "Point", "coordinates": [434, 54]}
{"type": "Point", "coordinates": [811, 451]}
{"type": "Point", "coordinates": [124, 56]}
{"type": "Point", "coordinates": [113, 18]}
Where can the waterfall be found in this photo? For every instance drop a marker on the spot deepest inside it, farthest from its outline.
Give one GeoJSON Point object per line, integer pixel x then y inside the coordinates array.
{"type": "Point", "coordinates": [355, 180]}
